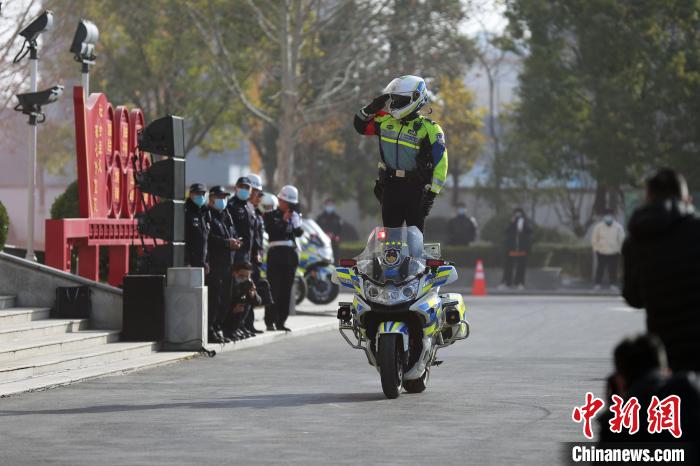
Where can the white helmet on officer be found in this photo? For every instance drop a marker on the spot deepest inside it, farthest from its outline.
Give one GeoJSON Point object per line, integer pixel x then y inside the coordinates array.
{"type": "Point", "coordinates": [407, 94]}
{"type": "Point", "coordinates": [255, 181]}
{"type": "Point", "coordinates": [269, 202]}
{"type": "Point", "coordinates": [289, 194]}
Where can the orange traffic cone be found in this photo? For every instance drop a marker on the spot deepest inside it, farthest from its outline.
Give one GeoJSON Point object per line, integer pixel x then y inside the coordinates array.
{"type": "Point", "coordinates": [479, 283]}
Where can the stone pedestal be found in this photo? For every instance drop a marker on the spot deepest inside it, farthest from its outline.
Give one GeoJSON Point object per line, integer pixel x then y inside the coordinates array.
{"type": "Point", "coordinates": [185, 309]}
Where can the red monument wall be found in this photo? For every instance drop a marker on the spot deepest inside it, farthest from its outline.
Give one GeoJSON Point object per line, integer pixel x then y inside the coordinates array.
{"type": "Point", "coordinates": [108, 158]}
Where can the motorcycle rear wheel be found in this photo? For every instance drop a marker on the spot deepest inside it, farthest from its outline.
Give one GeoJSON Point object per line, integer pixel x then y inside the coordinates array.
{"type": "Point", "coordinates": [390, 359]}
{"type": "Point", "coordinates": [319, 291]}
{"type": "Point", "coordinates": [299, 289]}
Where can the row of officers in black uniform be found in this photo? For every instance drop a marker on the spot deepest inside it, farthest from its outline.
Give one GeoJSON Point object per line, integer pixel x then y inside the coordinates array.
{"type": "Point", "coordinates": [224, 235]}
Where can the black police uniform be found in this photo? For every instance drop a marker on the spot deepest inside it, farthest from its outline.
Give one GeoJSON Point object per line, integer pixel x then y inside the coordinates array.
{"type": "Point", "coordinates": [196, 233]}
{"type": "Point", "coordinates": [261, 284]}
{"type": "Point", "coordinates": [220, 259]}
{"type": "Point", "coordinates": [282, 262]}
{"type": "Point", "coordinates": [243, 217]}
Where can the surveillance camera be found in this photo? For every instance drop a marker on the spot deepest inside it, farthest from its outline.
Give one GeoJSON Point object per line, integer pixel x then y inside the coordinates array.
{"type": "Point", "coordinates": [42, 23]}
{"type": "Point", "coordinates": [31, 102]}
{"type": "Point", "coordinates": [86, 36]}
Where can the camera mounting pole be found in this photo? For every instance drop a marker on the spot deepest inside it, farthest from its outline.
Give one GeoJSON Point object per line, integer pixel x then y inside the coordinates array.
{"type": "Point", "coordinates": [30, 104]}
{"type": "Point", "coordinates": [31, 165]}
{"type": "Point", "coordinates": [85, 78]}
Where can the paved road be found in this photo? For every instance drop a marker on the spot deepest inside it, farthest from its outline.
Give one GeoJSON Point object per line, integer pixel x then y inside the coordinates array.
{"type": "Point", "coordinates": [502, 397]}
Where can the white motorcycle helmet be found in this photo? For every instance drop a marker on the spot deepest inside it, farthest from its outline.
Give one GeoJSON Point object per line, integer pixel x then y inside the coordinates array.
{"type": "Point", "coordinates": [289, 194]}
{"type": "Point", "coordinates": [268, 202]}
{"type": "Point", "coordinates": [407, 94]}
{"type": "Point", "coordinates": [255, 181]}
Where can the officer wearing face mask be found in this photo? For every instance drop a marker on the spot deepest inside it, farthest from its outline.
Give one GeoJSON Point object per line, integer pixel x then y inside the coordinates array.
{"type": "Point", "coordinates": [518, 241]}
{"type": "Point", "coordinates": [461, 228]}
{"type": "Point", "coordinates": [244, 218]}
{"type": "Point", "coordinates": [222, 243]}
{"type": "Point", "coordinates": [607, 238]}
{"type": "Point", "coordinates": [331, 223]}
{"type": "Point", "coordinates": [196, 227]}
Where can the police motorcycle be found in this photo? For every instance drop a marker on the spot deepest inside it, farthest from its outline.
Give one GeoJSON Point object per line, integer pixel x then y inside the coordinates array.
{"type": "Point", "coordinates": [398, 316]}
{"type": "Point", "coordinates": [315, 265]}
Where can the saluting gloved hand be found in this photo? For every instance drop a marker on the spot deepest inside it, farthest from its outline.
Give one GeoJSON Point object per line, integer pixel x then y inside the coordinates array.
{"type": "Point", "coordinates": [296, 220]}
{"type": "Point", "coordinates": [427, 201]}
{"type": "Point", "coordinates": [377, 104]}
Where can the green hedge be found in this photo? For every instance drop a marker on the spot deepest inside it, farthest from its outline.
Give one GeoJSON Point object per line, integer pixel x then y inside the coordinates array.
{"type": "Point", "coordinates": [4, 225]}
{"type": "Point", "coordinates": [575, 259]}
{"type": "Point", "coordinates": [66, 204]}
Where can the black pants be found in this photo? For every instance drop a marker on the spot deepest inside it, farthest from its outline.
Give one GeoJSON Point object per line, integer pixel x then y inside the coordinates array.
{"type": "Point", "coordinates": [219, 283]}
{"type": "Point", "coordinates": [282, 262]}
{"type": "Point", "coordinates": [606, 262]}
{"type": "Point", "coordinates": [517, 264]}
{"type": "Point", "coordinates": [402, 202]}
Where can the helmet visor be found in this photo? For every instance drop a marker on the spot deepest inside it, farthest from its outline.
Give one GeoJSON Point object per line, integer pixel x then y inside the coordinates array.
{"type": "Point", "coordinates": [399, 101]}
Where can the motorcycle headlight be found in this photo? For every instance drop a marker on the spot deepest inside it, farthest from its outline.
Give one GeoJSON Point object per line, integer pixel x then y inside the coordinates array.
{"type": "Point", "coordinates": [390, 294]}
{"type": "Point", "coordinates": [410, 291]}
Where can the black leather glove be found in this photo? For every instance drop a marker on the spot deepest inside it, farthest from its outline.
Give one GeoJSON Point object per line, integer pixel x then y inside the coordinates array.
{"type": "Point", "coordinates": [377, 104]}
{"type": "Point", "coordinates": [427, 202]}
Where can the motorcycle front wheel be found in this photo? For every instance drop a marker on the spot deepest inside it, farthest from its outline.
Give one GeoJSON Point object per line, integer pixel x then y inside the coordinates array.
{"type": "Point", "coordinates": [390, 359]}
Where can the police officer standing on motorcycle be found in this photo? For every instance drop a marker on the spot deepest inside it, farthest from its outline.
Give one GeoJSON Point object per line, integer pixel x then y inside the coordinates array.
{"type": "Point", "coordinates": [223, 243]}
{"type": "Point", "coordinates": [196, 227]}
{"type": "Point", "coordinates": [283, 225]}
{"type": "Point", "coordinates": [413, 155]}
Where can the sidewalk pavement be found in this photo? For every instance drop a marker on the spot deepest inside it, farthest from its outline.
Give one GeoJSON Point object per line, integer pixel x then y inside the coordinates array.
{"type": "Point", "coordinates": [310, 318]}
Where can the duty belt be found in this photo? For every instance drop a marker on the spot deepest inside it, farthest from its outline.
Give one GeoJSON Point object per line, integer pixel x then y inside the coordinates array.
{"type": "Point", "coordinates": [288, 243]}
{"type": "Point", "coordinates": [388, 173]}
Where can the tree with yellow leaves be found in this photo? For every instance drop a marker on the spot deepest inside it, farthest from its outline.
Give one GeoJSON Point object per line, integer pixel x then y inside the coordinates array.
{"type": "Point", "coordinates": [456, 112]}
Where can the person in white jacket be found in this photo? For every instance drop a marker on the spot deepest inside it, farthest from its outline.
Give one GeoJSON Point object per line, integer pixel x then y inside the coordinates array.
{"type": "Point", "coordinates": [606, 240]}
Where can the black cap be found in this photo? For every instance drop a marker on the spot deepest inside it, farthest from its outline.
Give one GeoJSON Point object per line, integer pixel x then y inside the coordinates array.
{"type": "Point", "coordinates": [244, 180]}
{"type": "Point", "coordinates": [198, 188]}
{"type": "Point", "coordinates": [218, 190]}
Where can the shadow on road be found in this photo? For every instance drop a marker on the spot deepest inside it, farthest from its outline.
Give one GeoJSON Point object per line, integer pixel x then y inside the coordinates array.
{"type": "Point", "coordinates": [256, 402]}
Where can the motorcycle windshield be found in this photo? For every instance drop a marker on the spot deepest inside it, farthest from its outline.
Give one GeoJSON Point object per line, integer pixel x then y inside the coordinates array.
{"type": "Point", "coordinates": [392, 255]}
{"type": "Point", "coordinates": [315, 233]}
